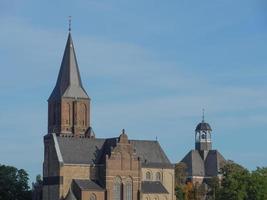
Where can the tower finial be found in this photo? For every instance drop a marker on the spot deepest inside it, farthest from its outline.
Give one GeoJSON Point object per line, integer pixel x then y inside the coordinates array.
{"type": "Point", "coordinates": [69, 23]}
{"type": "Point", "coordinates": [203, 115]}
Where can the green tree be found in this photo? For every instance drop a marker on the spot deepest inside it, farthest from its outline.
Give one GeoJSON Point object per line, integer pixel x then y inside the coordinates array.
{"type": "Point", "coordinates": [234, 183]}
{"type": "Point", "coordinates": [213, 188]}
{"type": "Point", "coordinates": [14, 184]}
{"type": "Point", "coordinates": [189, 191]}
{"type": "Point", "coordinates": [179, 192]}
{"type": "Point", "coordinates": [38, 179]}
{"type": "Point", "coordinates": [180, 173]}
{"type": "Point", "coordinates": [257, 187]}
{"type": "Point", "coordinates": [198, 191]}
{"type": "Point", "coordinates": [180, 181]}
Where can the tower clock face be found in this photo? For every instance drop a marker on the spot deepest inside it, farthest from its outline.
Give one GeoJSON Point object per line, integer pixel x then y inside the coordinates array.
{"type": "Point", "coordinates": [203, 136]}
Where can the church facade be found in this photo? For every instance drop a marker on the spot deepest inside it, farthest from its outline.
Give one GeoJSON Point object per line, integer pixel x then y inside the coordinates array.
{"type": "Point", "coordinates": [79, 166]}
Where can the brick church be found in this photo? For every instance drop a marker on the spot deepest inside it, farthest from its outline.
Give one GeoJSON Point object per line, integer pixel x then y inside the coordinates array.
{"type": "Point", "coordinates": [80, 166]}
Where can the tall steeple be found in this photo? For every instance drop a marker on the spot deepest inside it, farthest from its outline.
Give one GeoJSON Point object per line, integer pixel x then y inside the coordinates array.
{"type": "Point", "coordinates": [69, 83]}
{"type": "Point", "coordinates": [69, 104]}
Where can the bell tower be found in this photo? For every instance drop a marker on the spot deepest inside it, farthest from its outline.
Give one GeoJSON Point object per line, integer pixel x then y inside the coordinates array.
{"type": "Point", "coordinates": [203, 136]}
{"type": "Point", "coordinates": [69, 104]}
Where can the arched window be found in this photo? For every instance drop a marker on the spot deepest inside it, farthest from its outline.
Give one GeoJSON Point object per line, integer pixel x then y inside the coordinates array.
{"type": "Point", "coordinates": [158, 177]}
{"type": "Point", "coordinates": [66, 110]}
{"type": "Point", "coordinates": [129, 189]}
{"type": "Point", "coordinates": [148, 176]}
{"type": "Point", "coordinates": [117, 189]}
{"type": "Point", "coordinates": [83, 114]}
{"type": "Point", "coordinates": [92, 197]}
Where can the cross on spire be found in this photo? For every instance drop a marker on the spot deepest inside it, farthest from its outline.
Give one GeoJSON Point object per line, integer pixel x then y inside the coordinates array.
{"type": "Point", "coordinates": [69, 23]}
{"type": "Point", "coordinates": [203, 115]}
{"type": "Point", "coordinates": [69, 83]}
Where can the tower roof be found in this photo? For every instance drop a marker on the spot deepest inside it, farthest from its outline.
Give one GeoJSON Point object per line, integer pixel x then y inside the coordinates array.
{"type": "Point", "coordinates": [203, 126]}
{"type": "Point", "coordinates": [69, 83]}
{"type": "Point", "coordinates": [123, 137]}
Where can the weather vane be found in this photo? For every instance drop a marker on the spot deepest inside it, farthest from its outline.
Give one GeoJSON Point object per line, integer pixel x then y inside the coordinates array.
{"type": "Point", "coordinates": [69, 23]}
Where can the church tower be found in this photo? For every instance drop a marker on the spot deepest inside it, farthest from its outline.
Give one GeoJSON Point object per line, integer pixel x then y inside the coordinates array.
{"type": "Point", "coordinates": [69, 104]}
{"type": "Point", "coordinates": [203, 162]}
{"type": "Point", "coordinates": [203, 136]}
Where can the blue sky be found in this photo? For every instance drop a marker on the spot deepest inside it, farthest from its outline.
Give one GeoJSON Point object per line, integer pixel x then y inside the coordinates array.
{"type": "Point", "coordinates": [148, 66]}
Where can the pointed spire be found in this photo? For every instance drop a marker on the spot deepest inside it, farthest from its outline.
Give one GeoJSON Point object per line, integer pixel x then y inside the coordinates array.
{"type": "Point", "coordinates": [69, 82]}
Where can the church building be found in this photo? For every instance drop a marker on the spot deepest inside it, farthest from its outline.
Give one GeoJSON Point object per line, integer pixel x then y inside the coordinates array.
{"type": "Point", "coordinates": [203, 162]}
{"type": "Point", "coordinates": [80, 166]}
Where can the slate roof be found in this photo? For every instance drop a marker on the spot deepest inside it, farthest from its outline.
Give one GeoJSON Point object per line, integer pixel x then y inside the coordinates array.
{"type": "Point", "coordinates": [150, 187]}
{"type": "Point", "coordinates": [88, 185]}
{"type": "Point", "coordinates": [150, 151]}
{"type": "Point", "coordinates": [194, 163]}
{"type": "Point", "coordinates": [76, 150]}
{"type": "Point", "coordinates": [69, 83]}
{"type": "Point", "coordinates": [203, 126]}
{"type": "Point", "coordinates": [80, 150]}
{"type": "Point", "coordinates": [213, 163]}
{"type": "Point", "coordinates": [208, 165]}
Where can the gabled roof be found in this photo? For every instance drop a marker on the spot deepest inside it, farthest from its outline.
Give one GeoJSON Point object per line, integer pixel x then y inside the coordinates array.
{"type": "Point", "coordinates": [213, 163]}
{"type": "Point", "coordinates": [194, 163]}
{"type": "Point", "coordinates": [209, 166]}
{"type": "Point", "coordinates": [74, 150]}
{"type": "Point", "coordinates": [149, 151]}
{"type": "Point", "coordinates": [153, 187]}
{"type": "Point", "coordinates": [69, 82]}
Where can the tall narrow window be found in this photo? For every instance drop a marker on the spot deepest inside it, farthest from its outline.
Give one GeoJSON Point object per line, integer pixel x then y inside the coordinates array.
{"type": "Point", "coordinates": [66, 110]}
{"type": "Point", "coordinates": [83, 114]}
{"type": "Point", "coordinates": [129, 189]}
{"type": "Point", "coordinates": [158, 178]}
{"type": "Point", "coordinates": [148, 176]}
{"type": "Point", "coordinates": [117, 189]}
